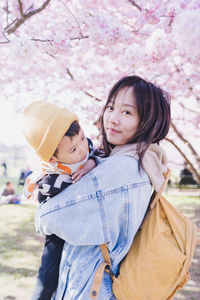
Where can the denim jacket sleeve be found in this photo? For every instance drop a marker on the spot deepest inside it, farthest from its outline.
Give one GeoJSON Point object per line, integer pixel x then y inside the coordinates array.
{"type": "Point", "coordinates": [93, 209]}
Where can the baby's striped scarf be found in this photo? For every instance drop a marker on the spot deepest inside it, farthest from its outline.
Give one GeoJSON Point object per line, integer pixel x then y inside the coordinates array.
{"type": "Point", "coordinates": [49, 168]}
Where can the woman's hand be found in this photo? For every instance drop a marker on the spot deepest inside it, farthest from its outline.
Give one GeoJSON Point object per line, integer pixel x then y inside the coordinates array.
{"type": "Point", "coordinates": [87, 167]}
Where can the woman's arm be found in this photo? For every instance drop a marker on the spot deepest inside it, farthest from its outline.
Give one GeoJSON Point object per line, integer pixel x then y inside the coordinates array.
{"type": "Point", "coordinates": [94, 208]}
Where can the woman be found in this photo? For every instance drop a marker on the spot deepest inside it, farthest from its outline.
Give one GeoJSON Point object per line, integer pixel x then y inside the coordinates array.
{"type": "Point", "coordinates": [109, 204]}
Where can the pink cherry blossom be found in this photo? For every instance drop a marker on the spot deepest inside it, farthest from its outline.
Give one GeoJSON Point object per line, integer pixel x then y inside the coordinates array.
{"type": "Point", "coordinates": [158, 45]}
{"type": "Point", "coordinates": [72, 52]}
{"type": "Point", "coordinates": [186, 31]}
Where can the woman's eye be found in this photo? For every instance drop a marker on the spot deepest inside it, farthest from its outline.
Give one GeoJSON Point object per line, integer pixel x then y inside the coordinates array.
{"type": "Point", "coordinates": [83, 137]}
{"type": "Point", "coordinates": [126, 112]}
{"type": "Point", "coordinates": [109, 108]}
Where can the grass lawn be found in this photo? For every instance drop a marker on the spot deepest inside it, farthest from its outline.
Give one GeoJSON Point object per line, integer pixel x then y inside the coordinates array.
{"type": "Point", "coordinates": [20, 250]}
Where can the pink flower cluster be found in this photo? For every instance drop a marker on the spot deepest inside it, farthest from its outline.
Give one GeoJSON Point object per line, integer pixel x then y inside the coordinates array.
{"type": "Point", "coordinates": [22, 49]}
{"type": "Point", "coordinates": [186, 32]}
{"type": "Point", "coordinates": [158, 45]}
{"type": "Point", "coordinates": [106, 29]}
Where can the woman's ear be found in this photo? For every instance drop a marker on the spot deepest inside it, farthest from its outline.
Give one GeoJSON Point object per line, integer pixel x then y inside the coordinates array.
{"type": "Point", "coordinates": [53, 159]}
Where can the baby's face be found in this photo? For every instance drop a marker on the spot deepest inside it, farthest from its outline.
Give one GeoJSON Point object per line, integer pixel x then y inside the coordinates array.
{"type": "Point", "coordinates": [73, 149]}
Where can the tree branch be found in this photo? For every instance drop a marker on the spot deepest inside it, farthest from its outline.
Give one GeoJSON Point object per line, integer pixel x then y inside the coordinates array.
{"type": "Point", "coordinates": [1, 43]}
{"type": "Point", "coordinates": [90, 95]}
{"type": "Point", "coordinates": [79, 38]}
{"type": "Point", "coordinates": [24, 17]}
{"type": "Point", "coordinates": [69, 11]}
{"type": "Point", "coordinates": [7, 11]}
{"type": "Point", "coordinates": [71, 39]}
{"type": "Point", "coordinates": [188, 86]}
{"type": "Point", "coordinates": [21, 8]}
{"type": "Point", "coordinates": [186, 108]}
{"type": "Point", "coordinates": [85, 92]}
{"type": "Point", "coordinates": [135, 4]}
{"type": "Point", "coordinates": [7, 40]}
{"type": "Point", "coordinates": [70, 74]}
{"type": "Point", "coordinates": [9, 25]}
{"type": "Point", "coordinates": [194, 171]}
{"type": "Point", "coordinates": [196, 156]}
{"type": "Point", "coordinates": [193, 122]}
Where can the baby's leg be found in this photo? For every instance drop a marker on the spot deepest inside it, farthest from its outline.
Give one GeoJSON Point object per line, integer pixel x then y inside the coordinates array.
{"type": "Point", "coordinates": [47, 279]}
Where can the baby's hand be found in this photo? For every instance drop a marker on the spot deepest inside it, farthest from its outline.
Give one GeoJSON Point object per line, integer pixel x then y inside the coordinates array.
{"type": "Point", "coordinates": [88, 166]}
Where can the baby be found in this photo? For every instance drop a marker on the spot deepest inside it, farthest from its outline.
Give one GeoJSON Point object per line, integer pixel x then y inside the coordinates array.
{"type": "Point", "coordinates": [66, 155]}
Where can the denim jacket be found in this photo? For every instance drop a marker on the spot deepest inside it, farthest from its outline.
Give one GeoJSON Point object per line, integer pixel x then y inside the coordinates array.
{"type": "Point", "coordinates": [105, 206]}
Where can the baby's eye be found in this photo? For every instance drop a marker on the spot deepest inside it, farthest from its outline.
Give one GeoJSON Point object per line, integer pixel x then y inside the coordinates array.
{"type": "Point", "coordinates": [73, 150]}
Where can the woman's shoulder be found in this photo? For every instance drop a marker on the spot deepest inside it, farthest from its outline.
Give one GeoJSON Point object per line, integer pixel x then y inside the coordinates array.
{"type": "Point", "coordinates": [120, 161]}
{"type": "Point", "coordinates": [119, 170]}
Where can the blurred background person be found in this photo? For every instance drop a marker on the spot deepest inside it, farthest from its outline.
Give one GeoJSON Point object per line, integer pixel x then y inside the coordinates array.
{"type": "Point", "coordinates": [8, 195]}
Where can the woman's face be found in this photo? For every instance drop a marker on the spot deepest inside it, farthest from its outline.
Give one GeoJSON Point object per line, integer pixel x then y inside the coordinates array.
{"type": "Point", "coordinates": [121, 118]}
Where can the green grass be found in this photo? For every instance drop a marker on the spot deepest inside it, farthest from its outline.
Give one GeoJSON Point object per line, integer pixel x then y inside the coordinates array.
{"type": "Point", "coordinates": [181, 199]}
{"type": "Point", "coordinates": [20, 250]}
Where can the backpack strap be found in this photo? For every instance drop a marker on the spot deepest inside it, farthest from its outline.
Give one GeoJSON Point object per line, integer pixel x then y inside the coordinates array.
{"type": "Point", "coordinates": [96, 284]}
{"type": "Point", "coordinates": [161, 190]}
{"type": "Point", "coordinates": [104, 266]}
{"type": "Point", "coordinates": [105, 253]}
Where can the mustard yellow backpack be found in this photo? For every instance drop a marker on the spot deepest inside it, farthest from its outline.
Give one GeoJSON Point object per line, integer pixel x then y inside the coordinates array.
{"type": "Point", "coordinates": [157, 264]}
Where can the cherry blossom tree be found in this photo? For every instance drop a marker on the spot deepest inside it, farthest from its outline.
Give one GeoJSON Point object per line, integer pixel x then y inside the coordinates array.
{"type": "Point", "coordinates": [75, 50]}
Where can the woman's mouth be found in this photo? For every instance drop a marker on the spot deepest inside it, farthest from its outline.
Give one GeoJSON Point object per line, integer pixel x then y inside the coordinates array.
{"type": "Point", "coordinates": [112, 131]}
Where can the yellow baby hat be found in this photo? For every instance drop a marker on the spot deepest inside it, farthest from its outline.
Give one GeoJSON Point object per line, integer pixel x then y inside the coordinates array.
{"type": "Point", "coordinates": [44, 125]}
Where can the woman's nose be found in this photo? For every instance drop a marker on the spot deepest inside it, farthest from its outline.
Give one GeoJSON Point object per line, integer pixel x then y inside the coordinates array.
{"type": "Point", "coordinates": [114, 117]}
